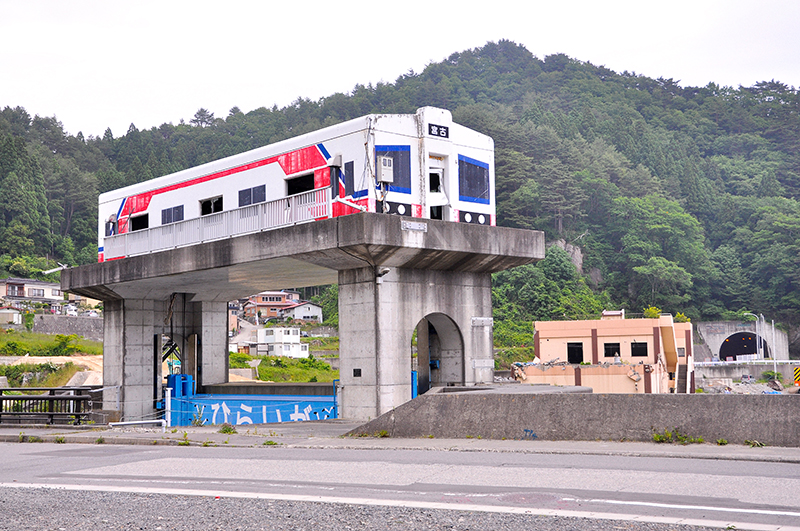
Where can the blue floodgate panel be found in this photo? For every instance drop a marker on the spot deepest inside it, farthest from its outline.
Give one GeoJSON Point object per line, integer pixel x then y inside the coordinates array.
{"type": "Point", "coordinates": [187, 408]}
{"type": "Point", "coordinates": [261, 409]}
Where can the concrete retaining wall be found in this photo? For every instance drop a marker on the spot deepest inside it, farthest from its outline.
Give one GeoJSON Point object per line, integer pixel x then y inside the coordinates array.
{"type": "Point", "coordinates": [736, 370]}
{"type": "Point", "coordinates": [271, 388]}
{"type": "Point", "coordinates": [88, 327]}
{"type": "Point", "coordinates": [771, 419]}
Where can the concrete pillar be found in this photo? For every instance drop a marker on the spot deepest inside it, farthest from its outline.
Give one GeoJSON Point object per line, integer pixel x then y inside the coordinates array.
{"type": "Point", "coordinates": [128, 357]}
{"type": "Point", "coordinates": [132, 348]}
{"type": "Point", "coordinates": [211, 320]}
{"type": "Point", "coordinates": [377, 317]}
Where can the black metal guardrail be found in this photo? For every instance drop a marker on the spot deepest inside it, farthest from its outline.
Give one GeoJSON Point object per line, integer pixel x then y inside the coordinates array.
{"type": "Point", "coordinates": [32, 405]}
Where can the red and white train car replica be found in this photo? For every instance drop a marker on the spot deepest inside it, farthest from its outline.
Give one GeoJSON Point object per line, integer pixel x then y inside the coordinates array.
{"type": "Point", "coordinates": [419, 165]}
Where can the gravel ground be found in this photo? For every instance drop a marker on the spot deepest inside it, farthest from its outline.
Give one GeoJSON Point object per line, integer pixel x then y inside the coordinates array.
{"type": "Point", "coordinates": [56, 510]}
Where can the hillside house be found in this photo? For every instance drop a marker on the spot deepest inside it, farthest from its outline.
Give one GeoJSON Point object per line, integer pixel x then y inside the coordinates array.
{"type": "Point", "coordinates": [303, 311]}
{"type": "Point", "coordinates": [21, 292]}
{"type": "Point", "coordinates": [269, 304]}
{"type": "Point", "coordinates": [281, 342]}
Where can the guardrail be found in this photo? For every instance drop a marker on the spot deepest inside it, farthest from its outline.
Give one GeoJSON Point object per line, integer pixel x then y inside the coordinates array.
{"type": "Point", "coordinates": [61, 405]}
{"type": "Point", "coordinates": [767, 362]}
{"type": "Point", "coordinates": [291, 210]}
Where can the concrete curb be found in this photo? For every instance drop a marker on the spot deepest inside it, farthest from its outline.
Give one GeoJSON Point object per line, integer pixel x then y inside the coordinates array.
{"type": "Point", "coordinates": [295, 436]}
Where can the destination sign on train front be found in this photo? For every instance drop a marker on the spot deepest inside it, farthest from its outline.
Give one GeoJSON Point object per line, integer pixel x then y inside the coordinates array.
{"type": "Point", "coordinates": [441, 131]}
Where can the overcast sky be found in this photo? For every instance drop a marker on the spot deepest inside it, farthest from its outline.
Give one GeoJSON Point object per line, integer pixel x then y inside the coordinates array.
{"type": "Point", "coordinates": [100, 63]}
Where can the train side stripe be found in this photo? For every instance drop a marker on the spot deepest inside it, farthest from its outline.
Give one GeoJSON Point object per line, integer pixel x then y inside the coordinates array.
{"type": "Point", "coordinates": [303, 159]}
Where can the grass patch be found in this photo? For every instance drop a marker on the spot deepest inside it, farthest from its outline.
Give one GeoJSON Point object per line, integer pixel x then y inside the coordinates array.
{"type": "Point", "coordinates": [40, 375]}
{"type": "Point", "coordinates": [14, 343]}
{"type": "Point", "coordinates": [321, 343]}
{"type": "Point", "coordinates": [504, 358]}
{"type": "Point", "coordinates": [282, 369]}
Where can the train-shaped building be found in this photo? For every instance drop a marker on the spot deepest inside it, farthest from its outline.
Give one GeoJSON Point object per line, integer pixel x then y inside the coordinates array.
{"type": "Point", "coordinates": [419, 165]}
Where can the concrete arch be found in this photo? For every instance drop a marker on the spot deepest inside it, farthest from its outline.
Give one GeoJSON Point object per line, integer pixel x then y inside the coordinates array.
{"type": "Point", "coordinates": [377, 317]}
{"type": "Point", "coordinates": [440, 352]}
{"type": "Point", "coordinates": [715, 333]}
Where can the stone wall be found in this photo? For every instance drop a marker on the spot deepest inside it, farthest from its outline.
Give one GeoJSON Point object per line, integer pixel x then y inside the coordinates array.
{"type": "Point", "coordinates": [771, 419]}
{"type": "Point", "coordinates": [88, 327]}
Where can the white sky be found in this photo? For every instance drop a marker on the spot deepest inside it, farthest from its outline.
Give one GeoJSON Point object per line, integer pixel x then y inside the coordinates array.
{"type": "Point", "coordinates": [109, 63]}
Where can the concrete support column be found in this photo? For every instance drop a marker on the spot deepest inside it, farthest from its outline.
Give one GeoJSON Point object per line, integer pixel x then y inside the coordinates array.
{"type": "Point", "coordinates": [128, 357]}
{"type": "Point", "coordinates": [377, 318]}
{"type": "Point", "coordinates": [211, 321]}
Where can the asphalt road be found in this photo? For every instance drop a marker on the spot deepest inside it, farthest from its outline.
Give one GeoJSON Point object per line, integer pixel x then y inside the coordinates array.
{"type": "Point", "coordinates": [93, 486]}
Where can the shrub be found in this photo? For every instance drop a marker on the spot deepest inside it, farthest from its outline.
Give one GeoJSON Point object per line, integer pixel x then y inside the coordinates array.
{"type": "Point", "coordinates": [652, 312]}
{"type": "Point", "coordinates": [227, 428]}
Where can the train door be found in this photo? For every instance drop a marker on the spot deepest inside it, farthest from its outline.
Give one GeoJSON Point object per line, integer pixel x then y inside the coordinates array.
{"type": "Point", "coordinates": [436, 193]}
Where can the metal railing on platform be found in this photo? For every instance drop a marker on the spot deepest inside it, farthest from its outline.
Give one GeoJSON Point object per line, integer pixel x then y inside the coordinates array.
{"type": "Point", "coordinates": [291, 210]}
{"type": "Point", "coordinates": [61, 405]}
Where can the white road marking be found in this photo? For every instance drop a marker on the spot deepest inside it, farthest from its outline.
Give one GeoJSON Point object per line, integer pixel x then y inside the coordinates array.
{"type": "Point", "coordinates": [416, 504]}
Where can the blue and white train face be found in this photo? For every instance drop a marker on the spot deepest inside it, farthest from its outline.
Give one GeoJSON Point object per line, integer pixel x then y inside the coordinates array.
{"type": "Point", "coordinates": [440, 170]}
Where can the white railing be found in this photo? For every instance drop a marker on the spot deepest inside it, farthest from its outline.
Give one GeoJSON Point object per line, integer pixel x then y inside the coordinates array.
{"type": "Point", "coordinates": [290, 210]}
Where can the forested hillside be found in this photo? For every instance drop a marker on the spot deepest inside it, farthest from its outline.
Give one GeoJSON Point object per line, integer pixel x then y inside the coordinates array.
{"type": "Point", "coordinates": [685, 198]}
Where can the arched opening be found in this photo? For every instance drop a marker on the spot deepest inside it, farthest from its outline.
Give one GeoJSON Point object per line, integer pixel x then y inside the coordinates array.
{"type": "Point", "coordinates": [437, 350]}
{"type": "Point", "coordinates": [742, 345]}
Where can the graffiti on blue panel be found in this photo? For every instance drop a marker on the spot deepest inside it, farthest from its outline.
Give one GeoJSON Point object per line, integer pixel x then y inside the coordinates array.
{"type": "Point", "coordinates": [236, 411]}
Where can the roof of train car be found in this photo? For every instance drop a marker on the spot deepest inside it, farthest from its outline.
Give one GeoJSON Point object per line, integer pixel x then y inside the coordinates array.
{"type": "Point", "coordinates": [277, 148]}
{"type": "Point", "coordinates": [283, 146]}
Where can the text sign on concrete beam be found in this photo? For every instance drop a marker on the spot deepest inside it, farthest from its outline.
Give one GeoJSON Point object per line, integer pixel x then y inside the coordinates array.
{"type": "Point", "coordinates": [482, 321]}
{"type": "Point", "coordinates": [414, 225]}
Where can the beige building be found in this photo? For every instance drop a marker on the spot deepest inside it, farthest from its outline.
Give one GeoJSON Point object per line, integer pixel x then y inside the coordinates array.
{"type": "Point", "coordinates": [614, 354]}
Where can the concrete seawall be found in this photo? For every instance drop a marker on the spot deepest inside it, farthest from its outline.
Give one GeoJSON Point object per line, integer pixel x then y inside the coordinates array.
{"type": "Point", "coordinates": [771, 419]}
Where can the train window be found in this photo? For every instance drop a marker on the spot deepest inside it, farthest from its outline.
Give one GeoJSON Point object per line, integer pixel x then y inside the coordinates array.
{"type": "Point", "coordinates": [401, 163]}
{"type": "Point", "coordinates": [259, 194]}
{"type": "Point", "coordinates": [211, 206]}
{"type": "Point", "coordinates": [172, 215]}
{"type": "Point", "coordinates": [245, 197]}
{"type": "Point", "coordinates": [140, 222]}
{"type": "Point", "coordinates": [298, 185]}
{"type": "Point", "coordinates": [111, 226]}
{"type": "Point", "coordinates": [435, 182]}
{"type": "Point", "coordinates": [252, 196]}
{"type": "Point", "coordinates": [349, 179]}
{"type": "Point", "coordinates": [473, 180]}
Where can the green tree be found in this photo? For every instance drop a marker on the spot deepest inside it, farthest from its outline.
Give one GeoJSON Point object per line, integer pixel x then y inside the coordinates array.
{"type": "Point", "coordinates": [202, 118]}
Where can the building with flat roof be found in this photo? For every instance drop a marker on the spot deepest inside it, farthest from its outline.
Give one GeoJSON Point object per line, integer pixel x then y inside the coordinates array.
{"type": "Point", "coordinates": [614, 354]}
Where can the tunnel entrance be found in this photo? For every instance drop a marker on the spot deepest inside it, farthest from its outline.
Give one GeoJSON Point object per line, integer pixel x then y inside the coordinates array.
{"type": "Point", "coordinates": [438, 348]}
{"type": "Point", "coordinates": [742, 345]}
